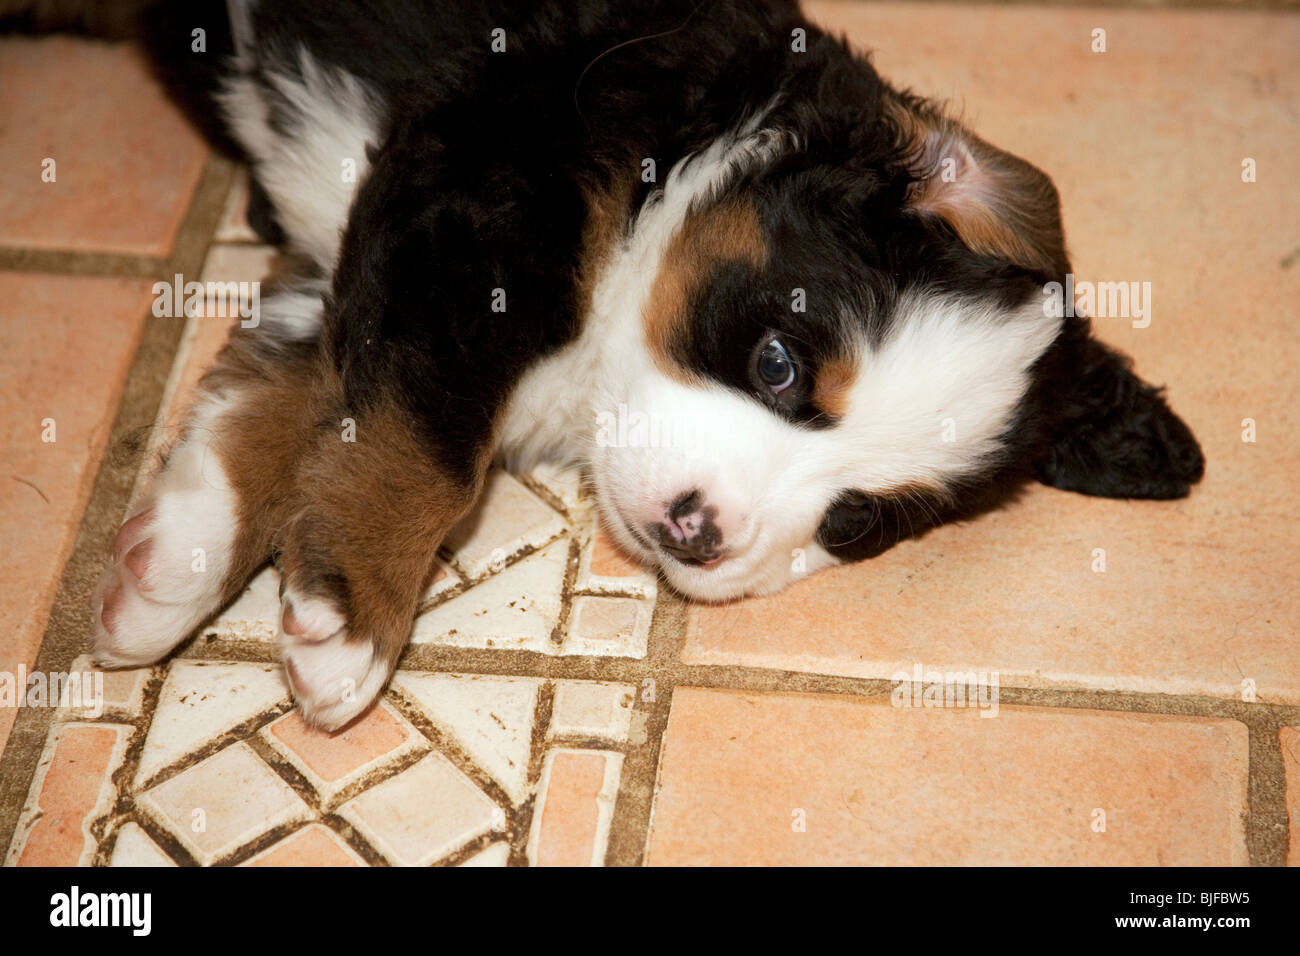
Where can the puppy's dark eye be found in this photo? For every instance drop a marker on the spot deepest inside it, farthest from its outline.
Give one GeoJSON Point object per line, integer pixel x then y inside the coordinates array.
{"type": "Point", "coordinates": [775, 367]}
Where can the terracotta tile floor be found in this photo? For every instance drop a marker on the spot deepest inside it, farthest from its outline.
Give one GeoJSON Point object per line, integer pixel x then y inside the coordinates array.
{"type": "Point", "coordinates": [556, 706]}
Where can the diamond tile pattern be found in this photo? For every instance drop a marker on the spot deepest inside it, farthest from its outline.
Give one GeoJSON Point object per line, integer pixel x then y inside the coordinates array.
{"type": "Point", "coordinates": [200, 701]}
{"type": "Point", "coordinates": [223, 803]}
{"type": "Point", "coordinates": [490, 717]}
{"type": "Point", "coordinates": [440, 771]}
{"type": "Point", "coordinates": [423, 814]}
{"type": "Point", "coordinates": [333, 762]}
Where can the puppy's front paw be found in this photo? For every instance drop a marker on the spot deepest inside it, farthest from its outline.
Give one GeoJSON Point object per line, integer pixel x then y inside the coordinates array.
{"type": "Point", "coordinates": [129, 623]}
{"type": "Point", "coordinates": [171, 559]}
{"type": "Point", "coordinates": [334, 674]}
{"type": "Point", "coordinates": [156, 590]}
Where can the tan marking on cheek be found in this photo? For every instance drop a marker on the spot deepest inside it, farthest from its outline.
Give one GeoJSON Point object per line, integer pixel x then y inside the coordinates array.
{"type": "Point", "coordinates": [728, 233]}
{"type": "Point", "coordinates": [835, 379]}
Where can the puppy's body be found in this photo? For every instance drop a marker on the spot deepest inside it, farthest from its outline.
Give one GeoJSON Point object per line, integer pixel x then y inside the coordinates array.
{"type": "Point", "coordinates": [535, 222]}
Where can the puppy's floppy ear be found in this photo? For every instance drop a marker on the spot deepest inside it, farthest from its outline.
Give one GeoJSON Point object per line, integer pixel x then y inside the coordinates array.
{"type": "Point", "coordinates": [998, 204]}
{"type": "Point", "coordinates": [1111, 434]}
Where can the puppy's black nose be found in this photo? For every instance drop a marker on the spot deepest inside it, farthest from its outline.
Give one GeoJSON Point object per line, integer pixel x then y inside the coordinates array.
{"type": "Point", "coordinates": [693, 551]}
{"type": "Point", "coordinates": [690, 534]}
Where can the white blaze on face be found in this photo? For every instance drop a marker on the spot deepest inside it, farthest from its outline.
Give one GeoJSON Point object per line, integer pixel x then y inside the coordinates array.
{"type": "Point", "coordinates": [927, 405]}
{"type": "Point", "coordinates": [758, 471]}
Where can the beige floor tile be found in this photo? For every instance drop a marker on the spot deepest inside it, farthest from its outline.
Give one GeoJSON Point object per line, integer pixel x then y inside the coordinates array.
{"type": "Point", "coordinates": [120, 693]}
{"type": "Point", "coordinates": [200, 701]}
{"type": "Point", "coordinates": [608, 627]}
{"type": "Point", "coordinates": [223, 803]}
{"type": "Point", "coordinates": [125, 160]}
{"type": "Point", "coordinates": [517, 608]}
{"type": "Point", "coordinates": [507, 519]}
{"type": "Point", "coordinates": [490, 717]}
{"type": "Point", "coordinates": [255, 614]}
{"type": "Point", "coordinates": [787, 779]}
{"type": "Point", "coordinates": [563, 482]}
{"type": "Point", "coordinates": [592, 709]}
{"type": "Point", "coordinates": [134, 848]}
{"type": "Point", "coordinates": [423, 814]}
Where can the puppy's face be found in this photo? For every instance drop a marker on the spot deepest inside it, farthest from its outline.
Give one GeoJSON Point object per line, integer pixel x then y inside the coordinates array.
{"type": "Point", "coordinates": [834, 357]}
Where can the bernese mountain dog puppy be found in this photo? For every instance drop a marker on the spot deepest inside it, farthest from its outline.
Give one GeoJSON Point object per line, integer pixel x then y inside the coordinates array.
{"type": "Point", "coordinates": [826, 296]}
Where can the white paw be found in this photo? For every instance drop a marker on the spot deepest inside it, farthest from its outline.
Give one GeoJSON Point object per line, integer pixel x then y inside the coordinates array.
{"type": "Point", "coordinates": [334, 679]}
{"type": "Point", "coordinates": [170, 560]}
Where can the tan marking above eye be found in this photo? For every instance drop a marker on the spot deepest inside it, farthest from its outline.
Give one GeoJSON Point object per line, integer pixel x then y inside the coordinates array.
{"type": "Point", "coordinates": [835, 378]}
{"type": "Point", "coordinates": [724, 233]}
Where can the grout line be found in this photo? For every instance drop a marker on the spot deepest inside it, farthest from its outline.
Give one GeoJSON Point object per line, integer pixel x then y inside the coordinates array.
{"type": "Point", "coordinates": [560, 632]}
{"type": "Point", "coordinates": [447, 746]}
{"type": "Point", "coordinates": [243, 732]}
{"type": "Point", "coordinates": [124, 805]}
{"type": "Point", "coordinates": [161, 836]}
{"type": "Point", "coordinates": [157, 440]}
{"type": "Point", "coordinates": [469, 850]}
{"type": "Point", "coordinates": [505, 662]}
{"type": "Point", "coordinates": [346, 832]}
{"type": "Point", "coordinates": [263, 841]}
{"type": "Point", "coordinates": [103, 264]}
{"type": "Point", "coordinates": [522, 823]}
{"type": "Point", "coordinates": [629, 829]}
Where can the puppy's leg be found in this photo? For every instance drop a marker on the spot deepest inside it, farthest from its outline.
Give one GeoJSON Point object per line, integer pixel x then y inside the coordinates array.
{"type": "Point", "coordinates": [357, 556]}
{"type": "Point", "coordinates": [424, 354]}
{"type": "Point", "coordinates": [207, 520]}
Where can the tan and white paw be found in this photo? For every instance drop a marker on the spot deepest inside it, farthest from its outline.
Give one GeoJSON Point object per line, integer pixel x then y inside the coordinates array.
{"type": "Point", "coordinates": [334, 675]}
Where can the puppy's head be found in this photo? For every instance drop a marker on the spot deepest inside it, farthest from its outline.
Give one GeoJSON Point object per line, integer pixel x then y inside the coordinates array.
{"type": "Point", "coordinates": [842, 341]}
